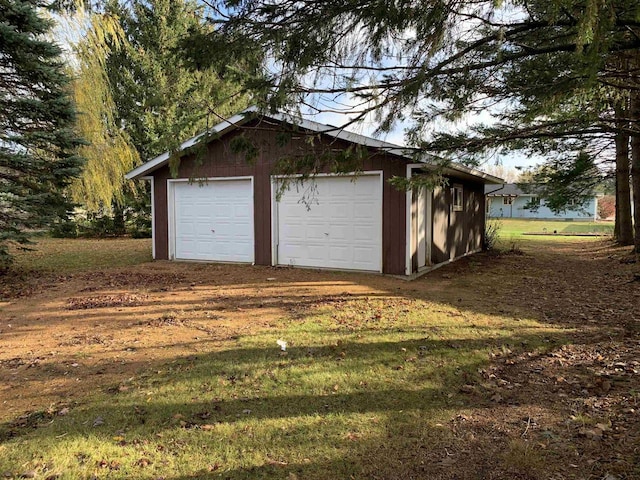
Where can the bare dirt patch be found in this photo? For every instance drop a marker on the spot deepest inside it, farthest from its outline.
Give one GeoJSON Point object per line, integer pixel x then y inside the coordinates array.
{"type": "Point", "coordinates": [64, 337]}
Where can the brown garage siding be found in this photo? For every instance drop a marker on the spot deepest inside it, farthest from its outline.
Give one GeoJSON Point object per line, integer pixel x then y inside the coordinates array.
{"type": "Point", "coordinates": [393, 218]}
{"type": "Point", "coordinates": [440, 216]}
{"type": "Point", "coordinates": [457, 233]}
{"type": "Point", "coordinates": [219, 161]}
{"type": "Point", "coordinates": [477, 216]}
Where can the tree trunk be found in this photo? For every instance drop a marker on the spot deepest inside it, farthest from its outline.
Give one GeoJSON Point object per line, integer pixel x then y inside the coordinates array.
{"type": "Point", "coordinates": [635, 184]}
{"type": "Point", "coordinates": [635, 166]}
{"type": "Point", "coordinates": [623, 227]}
{"type": "Point", "coordinates": [118, 219]}
{"type": "Point", "coordinates": [616, 223]}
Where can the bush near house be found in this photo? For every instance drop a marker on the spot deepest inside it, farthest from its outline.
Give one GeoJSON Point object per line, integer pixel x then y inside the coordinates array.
{"type": "Point", "coordinates": [135, 223]}
{"type": "Point", "coordinates": [606, 207]}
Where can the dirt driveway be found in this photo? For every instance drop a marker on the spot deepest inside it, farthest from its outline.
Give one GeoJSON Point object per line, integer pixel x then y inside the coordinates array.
{"type": "Point", "coordinates": [65, 337]}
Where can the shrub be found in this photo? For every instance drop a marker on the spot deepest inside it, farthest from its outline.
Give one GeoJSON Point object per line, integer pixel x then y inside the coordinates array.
{"type": "Point", "coordinates": [5, 259]}
{"type": "Point", "coordinates": [136, 223]}
{"type": "Point", "coordinates": [67, 228]}
{"type": "Point", "coordinates": [491, 234]}
{"type": "Point", "coordinates": [606, 206]}
{"type": "Point", "coordinates": [138, 218]}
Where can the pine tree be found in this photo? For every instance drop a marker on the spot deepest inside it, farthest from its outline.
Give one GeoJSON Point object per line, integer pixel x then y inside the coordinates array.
{"type": "Point", "coordinates": [160, 102]}
{"type": "Point", "coordinates": [37, 139]}
{"type": "Point", "coordinates": [542, 65]}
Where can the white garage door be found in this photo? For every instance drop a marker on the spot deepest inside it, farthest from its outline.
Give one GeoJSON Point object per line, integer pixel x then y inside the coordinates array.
{"type": "Point", "coordinates": [334, 223]}
{"type": "Point", "coordinates": [214, 221]}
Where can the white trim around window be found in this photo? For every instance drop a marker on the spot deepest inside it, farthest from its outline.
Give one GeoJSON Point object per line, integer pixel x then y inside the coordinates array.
{"type": "Point", "coordinates": [457, 197]}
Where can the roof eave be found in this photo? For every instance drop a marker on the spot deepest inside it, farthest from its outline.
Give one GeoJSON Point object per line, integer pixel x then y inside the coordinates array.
{"type": "Point", "coordinates": [485, 177]}
{"type": "Point", "coordinates": [405, 153]}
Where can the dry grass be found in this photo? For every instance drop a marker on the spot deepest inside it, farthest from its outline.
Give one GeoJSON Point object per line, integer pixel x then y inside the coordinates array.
{"type": "Point", "coordinates": [494, 367]}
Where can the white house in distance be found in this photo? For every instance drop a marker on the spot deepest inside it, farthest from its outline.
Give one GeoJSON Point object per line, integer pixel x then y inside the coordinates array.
{"type": "Point", "coordinates": [509, 201]}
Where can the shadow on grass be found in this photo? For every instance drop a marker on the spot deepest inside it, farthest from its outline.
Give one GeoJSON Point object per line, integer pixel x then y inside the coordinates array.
{"type": "Point", "coordinates": [221, 397]}
{"type": "Point", "coordinates": [246, 373]}
{"type": "Point", "coordinates": [342, 355]}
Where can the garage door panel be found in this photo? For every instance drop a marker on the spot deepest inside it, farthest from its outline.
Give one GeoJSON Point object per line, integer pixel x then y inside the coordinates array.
{"type": "Point", "coordinates": [214, 221]}
{"type": "Point", "coordinates": [200, 229]}
{"type": "Point", "coordinates": [309, 255]}
{"type": "Point", "coordinates": [342, 215]}
{"type": "Point", "coordinates": [189, 245]}
{"type": "Point", "coordinates": [317, 213]}
{"type": "Point", "coordinates": [316, 252]}
{"type": "Point", "coordinates": [340, 253]}
{"type": "Point", "coordinates": [292, 251]}
{"type": "Point", "coordinates": [340, 211]}
{"type": "Point", "coordinates": [362, 212]}
{"type": "Point", "coordinates": [361, 254]}
{"type": "Point", "coordinates": [364, 234]}
{"type": "Point", "coordinates": [189, 230]}
{"type": "Point", "coordinates": [315, 232]}
{"type": "Point", "coordinates": [184, 212]}
{"type": "Point", "coordinates": [340, 233]}
{"type": "Point", "coordinates": [240, 212]}
{"type": "Point", "coordinates": [293, 235]}
{"type": "Point", "coordinates": [200, 247]}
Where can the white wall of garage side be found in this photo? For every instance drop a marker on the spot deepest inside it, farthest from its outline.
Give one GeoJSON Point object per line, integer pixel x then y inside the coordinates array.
{"type": "Point", "coordinates": [211, 219]}
{"type": "Point", "coordinates": [338, 225]}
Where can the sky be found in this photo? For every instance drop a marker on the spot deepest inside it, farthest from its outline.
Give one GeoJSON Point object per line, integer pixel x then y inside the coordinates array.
{"type": "Point", "coordinates": [330, 107]}
{"type": "Point", "coordinates": [344, 102]}
{"type": "Point", "coordinates": [513, 160]}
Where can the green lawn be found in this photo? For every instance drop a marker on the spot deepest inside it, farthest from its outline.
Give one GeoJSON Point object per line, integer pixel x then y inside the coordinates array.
{"type": "Point", "coordinates": [370, 380]}
{"type": "Point", "coordinates": [367, 388]}
{"type": "Point", "coordinates": [66, 255]}
{"type": "Point", "coordinates": [516, 229]}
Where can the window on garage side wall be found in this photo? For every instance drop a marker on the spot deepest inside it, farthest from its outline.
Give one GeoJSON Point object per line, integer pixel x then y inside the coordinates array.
{"type": "Point", "coordinates": [458, 196]}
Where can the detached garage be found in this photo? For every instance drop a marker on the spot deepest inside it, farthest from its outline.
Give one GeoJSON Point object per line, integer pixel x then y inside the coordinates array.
{"type": "Point", "coordinates": [222, 206]}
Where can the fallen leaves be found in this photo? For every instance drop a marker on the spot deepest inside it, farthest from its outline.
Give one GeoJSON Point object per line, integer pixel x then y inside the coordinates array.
{"type": "Point", "coordinates": [106, 301]}
{"type": "Point", "coordinates": [129, 279]}
{"type": "Point", "coordinates": [591, 433]}
{"type": "Point", "coordinates": [168, 319]}
{"type": "Point", "coordinates": [143, 462]}
{"type": "Point", "coordinates": [109, 464]}
{"type": "Point", "coordinates": [595, 379]}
